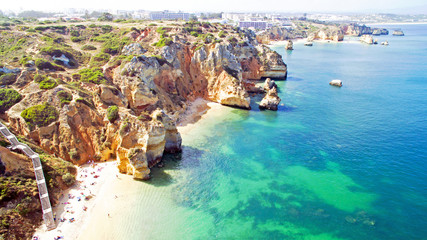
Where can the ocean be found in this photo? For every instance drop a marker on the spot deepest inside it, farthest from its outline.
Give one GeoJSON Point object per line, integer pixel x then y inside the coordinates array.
{"type": "Point", "coordinates": [332, 163]}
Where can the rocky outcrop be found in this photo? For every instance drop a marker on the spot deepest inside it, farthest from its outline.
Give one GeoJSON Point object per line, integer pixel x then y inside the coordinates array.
{"type": "Point", "coordinates": [269, 84]}
{"type": "Point", "coordinates": [274, 34]}
{"type": "Point", "coordinates": [379, 31]}
{"type": "Point", "coordinates": [330, 35]}
{"type": "Point", "coordinates": [149, 91]}
{"type": "Point", "coordinates": [133, 49]}
{"type": "Point", "coordinates": [367, 39]}
{"type": "Point", "coordinates": [398, 33]}
{"type": "Point", "coordinates": [271, 100]}
{"type": "Point", "coordinates": [356, 30]}
{"type": "Point", "coordinates": [273, 65]}
{"type": "Point", "coordinates": [140, 146]}
{"type": "Point", "coordinates": [112, 96]}
{"type": "Point", "coordinates": [289, 45]}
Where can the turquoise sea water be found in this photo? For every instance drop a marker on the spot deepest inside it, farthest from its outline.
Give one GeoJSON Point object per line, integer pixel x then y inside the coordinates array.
{"type": "Point", "coordinates": [332, 163]}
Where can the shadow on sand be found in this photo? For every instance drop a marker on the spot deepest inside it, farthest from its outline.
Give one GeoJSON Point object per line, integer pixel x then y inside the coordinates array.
{"type": "Point", "coordinates": [188, 158]}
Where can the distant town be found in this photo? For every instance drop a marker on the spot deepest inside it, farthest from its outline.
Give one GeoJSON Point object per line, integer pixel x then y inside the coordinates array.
{"type": "Point", "coordinates": [259, 21]}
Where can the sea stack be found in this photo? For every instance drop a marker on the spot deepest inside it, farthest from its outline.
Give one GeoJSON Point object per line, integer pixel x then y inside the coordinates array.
{"type": "Point", "coordinates": [367, 39]}
{"type": "Point", "coordinates": [289, 45]}
{"type": "Point", "coordinates": [269, 84]}
{"type": "Point", "coordinates": [271, 100]}
{"type": "Point", "coordinates": [398, 33]}
{"type": "Point", "coordinates": [336, 82]}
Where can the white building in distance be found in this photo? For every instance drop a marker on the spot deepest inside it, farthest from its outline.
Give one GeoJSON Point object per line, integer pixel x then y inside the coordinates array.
{"type": "Point", "coordinates": [166, 15]}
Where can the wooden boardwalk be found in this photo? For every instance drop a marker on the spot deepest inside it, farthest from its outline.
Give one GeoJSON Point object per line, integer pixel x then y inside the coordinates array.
{"type": "Point", "coordinates": [41, 182]}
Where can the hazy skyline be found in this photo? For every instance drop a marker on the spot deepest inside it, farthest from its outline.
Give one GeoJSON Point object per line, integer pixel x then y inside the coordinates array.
{"type": "Point", "coordinates": [368, 6]}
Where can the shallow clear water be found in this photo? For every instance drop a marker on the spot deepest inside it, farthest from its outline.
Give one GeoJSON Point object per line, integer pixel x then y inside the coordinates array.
{"type": "Point", "coordinates": [332, 163]}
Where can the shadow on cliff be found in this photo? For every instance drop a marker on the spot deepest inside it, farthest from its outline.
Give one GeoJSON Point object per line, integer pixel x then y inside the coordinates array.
{"type": "Point", "coordinates": [188, 158]}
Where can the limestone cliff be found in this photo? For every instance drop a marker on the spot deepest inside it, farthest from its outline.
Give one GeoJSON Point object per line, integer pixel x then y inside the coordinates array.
{"type": "Point", "coordinates": [148, 87]}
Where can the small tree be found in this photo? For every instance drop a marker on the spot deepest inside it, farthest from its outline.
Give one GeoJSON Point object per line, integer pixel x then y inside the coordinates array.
{"type": "Point", "coordinates": [68, 179]}
{"type": "Point", "coordinates": [112, 113]}
{"type": "Point", "coordinates": [106, 17]}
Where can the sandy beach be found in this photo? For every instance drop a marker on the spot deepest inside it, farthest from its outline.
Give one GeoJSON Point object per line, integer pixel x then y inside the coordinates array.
{"type": "Point", "coordinates": [101, 196]}
{"type": "Point", "coordinates": [77, 203]}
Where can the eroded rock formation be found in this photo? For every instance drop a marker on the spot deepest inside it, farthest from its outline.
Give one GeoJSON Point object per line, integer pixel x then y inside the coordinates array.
{"type": "Point", "coordinates": [149, 92]}
{"type": "Point", "coordinates": [271, 100]}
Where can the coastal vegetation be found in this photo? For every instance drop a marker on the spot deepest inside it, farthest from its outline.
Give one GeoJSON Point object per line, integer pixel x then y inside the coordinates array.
{"type": "Point", "coordinates": [92, 75]}
{"type": "Point", "coordinates": [8, 98]}
{"type": "Point", "coordinates": [112, 113]}
{"type": "Point", "coordinates": [65, 97]}
{"type": "Point", "coordinates": [19, 196]}
{"type": "Point", "coordinates": [7, 79]}
{"type": "Point", "coordinates": [40, 115]}
{"type": "Point", "coordinates": [86, 67]}
{"type": "Point", "coordinates": [48, 83]}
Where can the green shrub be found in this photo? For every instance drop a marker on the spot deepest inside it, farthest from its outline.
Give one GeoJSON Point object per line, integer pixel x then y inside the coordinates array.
{"type": "Point", "coordinates": [74, 155]}
{"type": "Point", "coordinates": [99, 59]}
{"type": "Point", "coordinates": [76, 39]}
{"type": "Point", "coordinates": [222, 34]}
{"type": "Point", "coordinates": [65, 97]}
{"type": "Point", "coordinates": [112, 113]}
{"type": "Point", "coordinates": [21, 41]}
{"type": "Point", "coordinates": [232, 39]}
{"type": "Point", "coordinates": [45, 65]}
{"type": "Point", "coordinates": [69, 179]}
{"type": "Point", "coordinates": [25, 61]}
{"type": "Point", "coordinates": [106, 28]}
{"type": "Point", "coordinates": [40, 115]}
{"type": "Point", "coordinates": [114, 45]}
{"type": "Point", "coordinates": [74, 33]}
{"type": "Point", "coordinates": [39, 77]}
{"type": "Point", "coordinates": [8, 98]}
{"type": "Point", "coordinates": [8, 78]}
{"type": "Point", "coordinates": [163, 42]}
{"type": "Point", "coordinates": [93, 75]}
{"type": "Point", "coordinates": [161, 30]}
{"type": "Point", "coordinates": [88, 48]}
{"type": "Point", "coordinates": [55, 51]}
{"type": "Point", "coordinates": [41, 28]}
{"type": "Point", "coordinates": [48, 83]}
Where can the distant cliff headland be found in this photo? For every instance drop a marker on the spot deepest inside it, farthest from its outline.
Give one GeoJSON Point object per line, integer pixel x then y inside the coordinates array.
{"type": "Point", "coordinates": [313, 30]}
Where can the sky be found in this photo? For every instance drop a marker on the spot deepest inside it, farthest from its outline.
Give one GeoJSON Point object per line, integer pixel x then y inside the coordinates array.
{"type": "Point", "coordinates": [347, 6]}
